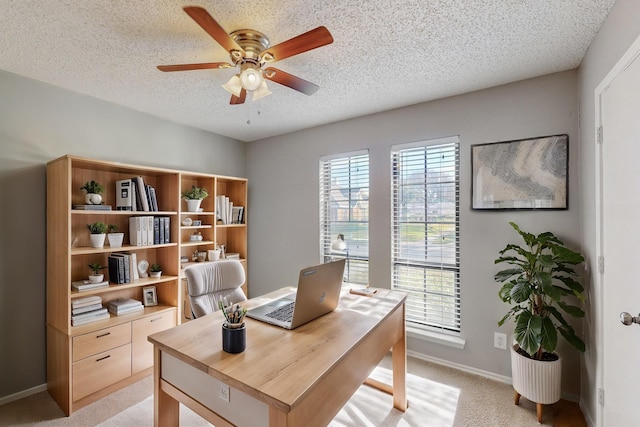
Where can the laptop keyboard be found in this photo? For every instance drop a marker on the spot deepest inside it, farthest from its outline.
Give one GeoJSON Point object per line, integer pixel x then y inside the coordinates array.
{"type": "Point", "coordinates": [283, 314]}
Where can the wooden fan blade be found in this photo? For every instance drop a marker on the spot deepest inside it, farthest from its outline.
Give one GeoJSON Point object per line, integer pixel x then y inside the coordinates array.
{"type": "Point", "coordinates": [214, 29]}
{"type": "Point", "coordinates": [315, 38]}
{"type": "Point", "coordinates": [187, 67]}
{"type": "Point", "coordinates": [289, 80]}
{"type": "Point", "coordinates": [235, 100]}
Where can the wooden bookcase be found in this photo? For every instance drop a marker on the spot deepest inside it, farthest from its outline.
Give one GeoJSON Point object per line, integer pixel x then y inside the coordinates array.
{"type": "Point", "coordinates": [88, 362]}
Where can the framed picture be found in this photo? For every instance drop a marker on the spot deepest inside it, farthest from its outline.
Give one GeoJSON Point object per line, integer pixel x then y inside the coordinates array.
{"type": "Point", "coordinates": [522, 174]}
{"type": "Point", "coordinates": [149, 296]}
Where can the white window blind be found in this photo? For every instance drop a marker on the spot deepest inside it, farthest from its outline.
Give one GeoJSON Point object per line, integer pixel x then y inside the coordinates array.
{"type": "Point", "coordinates": [425, 231]}
{"type": "Point", "coordinates": [344, 210]}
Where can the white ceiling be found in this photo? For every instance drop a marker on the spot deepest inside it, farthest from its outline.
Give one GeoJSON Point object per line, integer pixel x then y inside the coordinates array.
{"type": "Point", "coordinates": [386, 53]}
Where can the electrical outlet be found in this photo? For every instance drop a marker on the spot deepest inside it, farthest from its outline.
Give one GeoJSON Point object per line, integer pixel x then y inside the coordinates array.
{"type": "Point", "coordinates": [223, 392]}
{"type": "Point", "coordinates": [500, 340]}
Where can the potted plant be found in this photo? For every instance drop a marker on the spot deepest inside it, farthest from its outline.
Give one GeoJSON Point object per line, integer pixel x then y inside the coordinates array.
{"type": "Point", "coordinates": [194, 197]}
{"type": "Point", "coordinates": [155, 270]}
{"type": "Point", "coordinates": [97, 230]}
{"type": "Point", "coordinates": [94, 193]}
{"type": "Point", "coordinates": [115, 239]}
{"type": "Point", "coordinates": [540, 278]}
{"type": "Point", "coordinates": [96, 276]}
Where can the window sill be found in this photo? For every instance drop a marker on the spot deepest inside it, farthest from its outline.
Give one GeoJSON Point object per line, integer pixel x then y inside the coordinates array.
{"type": "Point", "coordinates": [435, 337]}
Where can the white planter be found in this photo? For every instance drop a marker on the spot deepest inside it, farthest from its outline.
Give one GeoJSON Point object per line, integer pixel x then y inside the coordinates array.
{"type": "Point", "coordinates": [536, 380]}
{"type": "Point", "coordinates": [155, 273]}
{"type": "Point", "coordinates": [92, 199]}
{"type": "Point", "coordinates": [115, 239]}
{"type": "Point", "coordinates": [193, 205]}
{"type": "Point", "coordinates": [96, 278]}
{"type": "Point", "coordinates": [97, 240]}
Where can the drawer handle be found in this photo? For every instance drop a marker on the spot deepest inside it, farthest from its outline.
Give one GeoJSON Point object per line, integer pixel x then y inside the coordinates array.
{"type": "Point", "coordinates": [157, 318]}
{"type": "Point", "coordinates": [103, 335]}
{"type": "Point", "coordinates": [102, 358]}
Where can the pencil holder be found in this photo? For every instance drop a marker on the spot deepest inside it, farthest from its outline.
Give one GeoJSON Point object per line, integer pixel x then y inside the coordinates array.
{"type": "Point", "coordinates": [234, 337]}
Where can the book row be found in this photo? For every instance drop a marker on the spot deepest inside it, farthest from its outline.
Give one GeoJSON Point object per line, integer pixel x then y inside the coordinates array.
{"type": "Point", "coordinates": [149, 230]}
{"type": "Point", "coordinates": [134, 195]}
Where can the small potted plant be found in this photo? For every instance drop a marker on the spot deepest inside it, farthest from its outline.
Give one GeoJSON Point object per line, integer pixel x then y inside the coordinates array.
{"type": "Point", "coordinates": [97, 230]}
{"type": "Point", "coordinates": [115, 239]}
{"type": "Point", "coordinates": [155, 270]}
{"type": "Point", "coordinates": [96, 276]}
{"type": "Point", "coordinates": [94, 193]}
{"type": "Point", "coordinates": [194, 197]}
{"type": "Point", "coordinates": [537, 285]}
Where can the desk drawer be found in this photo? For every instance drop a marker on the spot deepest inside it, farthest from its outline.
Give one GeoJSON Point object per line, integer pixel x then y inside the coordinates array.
{"type": "Point", "coordinates": [142, 349]}
{"type": "Point", "coordinates": [101, 370]}
{"type": "Point", "coordinates": [101, 340]}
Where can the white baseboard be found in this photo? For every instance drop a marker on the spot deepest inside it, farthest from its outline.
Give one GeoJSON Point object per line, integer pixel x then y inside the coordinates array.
{"type": "Point", "coordinates": [23, 393]}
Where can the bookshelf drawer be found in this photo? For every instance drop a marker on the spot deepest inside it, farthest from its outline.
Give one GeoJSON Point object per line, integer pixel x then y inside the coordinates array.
{"type": "Point", "coordinates": [142, 349]}
{"type": "Point", "coordinates": [101, 340]}
{"type": "Point", "coordinates": [101, 370]}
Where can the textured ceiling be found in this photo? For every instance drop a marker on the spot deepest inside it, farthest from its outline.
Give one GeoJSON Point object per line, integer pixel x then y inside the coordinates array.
{"type": "Point", "coordinates": [386, 53]}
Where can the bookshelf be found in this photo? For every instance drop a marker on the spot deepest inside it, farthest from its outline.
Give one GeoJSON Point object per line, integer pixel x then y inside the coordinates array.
{"type": "Point", "coordinates": [88, 362]}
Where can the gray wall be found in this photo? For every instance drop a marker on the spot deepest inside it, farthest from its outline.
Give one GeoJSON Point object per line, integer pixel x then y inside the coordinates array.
{"type": "Point", "coordinates": [619, 31]}
{"type": "Point", "coordinates": [283, 176]}
{"type": "Point", "coordinates": [39, 123]}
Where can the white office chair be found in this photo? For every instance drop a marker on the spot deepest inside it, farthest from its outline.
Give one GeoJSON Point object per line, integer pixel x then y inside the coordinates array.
{"type": "Point", "coordinates": [208, 283]}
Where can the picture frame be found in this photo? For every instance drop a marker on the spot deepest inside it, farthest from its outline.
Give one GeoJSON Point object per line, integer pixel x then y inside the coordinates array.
{"type": "Point", "coordinates": [524, 174]}
{"type": "Point", "coordinates": [149, 296]}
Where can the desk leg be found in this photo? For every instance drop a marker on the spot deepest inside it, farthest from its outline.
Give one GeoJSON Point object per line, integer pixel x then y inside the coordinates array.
{"type": "Point", "coordinates": [399, 359]}
{"type": "Point", "coordinates": [166, 410]}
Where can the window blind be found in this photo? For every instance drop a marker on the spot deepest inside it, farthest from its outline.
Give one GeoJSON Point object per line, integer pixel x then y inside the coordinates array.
{"type": "Point", "coordinates": [425, 231]}
{"type": "Point", "coordinates": [344, 210]}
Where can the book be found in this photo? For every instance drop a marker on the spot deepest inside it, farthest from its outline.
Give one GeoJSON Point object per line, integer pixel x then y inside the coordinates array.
{"type": "Point", "coordinates": [126, 268]}
{"type": "Point", "coordinates": [119, 311]}
{"type": "Point", "coordinates": [167, 228]}
{"type": "Point", "coordinates": [142, 193]}
{"type": "Point", "coordinates": [116, 269]}
{"type": "Point", "coordinates": [124, 195]}
{"type": "Point", "coordinates": [85, 285]}
{"type": "Point", "coordinates": [153, 201]}
{"type": "Point", "coordinates": [89, 314]}
{"type": "Point", "coordinates": [133, 264]}
{"type": "Point", "coordinates": [232, 255]}
{"type": "Point", "coordinates": [156, 230]}
{"type": "Point", "coordinates": [79, 322]}
{"type": "Point", "coordinates": [81, 302]}
{"type": "Point", "coordinates": [135, 231]}
{"type": "Point", "coordinates": [149, 230]}
{"type": "Point", "coordinates": [125, 303]}
{"type": "Point", "coordinates": [86, 308]}
{"type": "Point", "coordinates": [92, 207]}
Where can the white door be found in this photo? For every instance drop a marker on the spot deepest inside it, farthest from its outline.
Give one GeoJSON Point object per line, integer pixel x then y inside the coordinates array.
{"type": "Point", "coordinates": [620, 242]}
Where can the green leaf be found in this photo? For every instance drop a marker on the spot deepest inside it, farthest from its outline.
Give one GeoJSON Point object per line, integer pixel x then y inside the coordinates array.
{"type": "Point", "coordinates": [570, 335]}
{"type": "Point", "coordinates": [527, 332]}
{"type": "Point", "coordinates": [549, 336]}
{"type": "Point", "coordinates": [520, 291]}
{"type": "Point", "coordinates": [571, 309]}
{"type": "Point", "coordinates": [552, 291]}
{"type": "Point", "coordinates": [546, 261]}
{"type": "Point", "coordinates": [566, 255]}
{"type": "Point", "coordinates": [558, 316]}
{"type": "Point", "coordinates": [576, 288]}
{"type": "Point", "coordinates": [505, 292]}
{"type": "Point", "coordinates": [503, 275]}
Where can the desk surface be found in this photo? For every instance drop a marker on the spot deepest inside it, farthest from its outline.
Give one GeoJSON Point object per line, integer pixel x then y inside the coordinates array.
{"type": "Point", "coordinates": [279, 365]}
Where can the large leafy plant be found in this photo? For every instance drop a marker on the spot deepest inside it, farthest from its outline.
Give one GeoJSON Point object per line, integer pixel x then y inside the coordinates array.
{"type": "Point", "coordinates": [541, 276]}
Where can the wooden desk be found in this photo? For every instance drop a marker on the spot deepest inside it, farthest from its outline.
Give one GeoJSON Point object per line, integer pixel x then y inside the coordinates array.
{"type": "Point", "coordinates": [287, 378]}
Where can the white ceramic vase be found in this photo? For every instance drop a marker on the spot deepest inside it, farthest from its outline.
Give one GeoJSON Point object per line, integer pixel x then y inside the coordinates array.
{"type": "Point", "coordinates": [97, 240]}
{"type": "Point", "coordinates": [536, 380]}
{"type": "Point", "coordinates": [96, 278]}
{"type": "Point", "coordinates": [92, 199]}
{"type": "Point", "coordinates": [193, 205]}
{"type": "Point", "coordinates": [155, 273]}
{"type": "Point", "coordinates": [115, 239]}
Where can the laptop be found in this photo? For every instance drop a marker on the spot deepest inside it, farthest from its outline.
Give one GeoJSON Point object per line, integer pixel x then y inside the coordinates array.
{"type": "Point", "coordinates": [318, 293]}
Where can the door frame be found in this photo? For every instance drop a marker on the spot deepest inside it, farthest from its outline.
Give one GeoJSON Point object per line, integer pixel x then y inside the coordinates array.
{"type": "Point", "coordinates": [625, 60]}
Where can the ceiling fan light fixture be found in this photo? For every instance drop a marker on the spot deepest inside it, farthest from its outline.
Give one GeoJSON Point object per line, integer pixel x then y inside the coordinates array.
{"type": "Point", "coordinates": [233, 86]}
{"type": "Point", "coordinates": [251, 79]}
{"type": "Point", "coordinates": [262, 91]}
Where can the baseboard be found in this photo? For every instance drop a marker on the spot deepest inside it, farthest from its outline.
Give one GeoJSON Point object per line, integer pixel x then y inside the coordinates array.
{"type": "Point", "coordinates": [587, 415]}
{"type": "Point", "coordinates": [480, 372]}
{"type": "Point", "coordinates": [22, 394]}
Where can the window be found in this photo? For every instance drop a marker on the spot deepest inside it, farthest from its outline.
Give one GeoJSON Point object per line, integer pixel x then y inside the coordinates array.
{"type": "Point", "coordinates": [344, 212]}
{"type": "Point", "coordinates": [425, 231]}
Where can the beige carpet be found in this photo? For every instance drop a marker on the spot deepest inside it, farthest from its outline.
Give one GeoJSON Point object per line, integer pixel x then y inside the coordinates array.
{"type": "Point", "coordinates": [438, 397]}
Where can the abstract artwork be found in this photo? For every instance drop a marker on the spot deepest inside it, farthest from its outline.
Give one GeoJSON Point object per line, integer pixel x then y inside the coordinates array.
{"type": "Point", "coordinates": [522, 174]}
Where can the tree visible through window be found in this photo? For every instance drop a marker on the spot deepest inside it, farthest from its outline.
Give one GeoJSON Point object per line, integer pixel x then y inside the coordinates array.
{"type": "Point", "coordinates": [344, 213]}
{"type": "Point", "coordinates": [425, 231]}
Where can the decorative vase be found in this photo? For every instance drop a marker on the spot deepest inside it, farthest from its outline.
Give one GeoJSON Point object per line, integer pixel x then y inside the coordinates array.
{"type": "Point", "coordinates": [96, 278]}
{"type": "Point", "coordinates": [115, 239]}
{"type": "Point", "coordinates": [155, 273]}
{"type": "Point", "coordinates": [537, 380]}
{"type": "Point", "coordinates": [193, 205]}
{"type": "Point", "coordinates": [93, 199]}
{"type": "Point", "coordinates": [97, 240]}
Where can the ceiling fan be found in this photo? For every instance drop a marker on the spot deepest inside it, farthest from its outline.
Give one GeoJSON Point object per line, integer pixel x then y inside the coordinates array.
{"type": "Point", "coordinates": [250, 51]}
